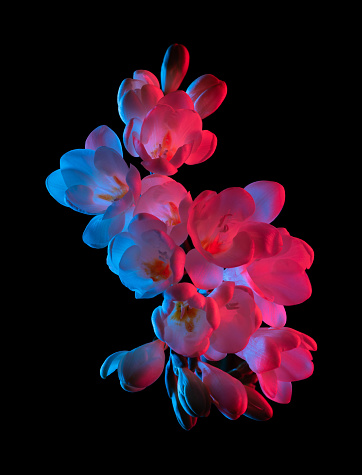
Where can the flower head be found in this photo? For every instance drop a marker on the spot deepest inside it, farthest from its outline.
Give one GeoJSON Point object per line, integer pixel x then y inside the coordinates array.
{"type": "Point", "coordinates": [186, 319]}
{"type": "Point", "coordinates": [146, 258]}
{"type": "Point", "coordinates": [137, 368]}
{"type": "Point", "coordinates": [97, 181]}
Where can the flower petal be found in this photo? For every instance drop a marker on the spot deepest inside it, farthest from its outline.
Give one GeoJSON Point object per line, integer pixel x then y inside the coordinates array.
{"type": "Point", "coordinates": [142, 366]}
{"type": "Point", "coordinates": [258, 408]}
{"type": "Point", "coordinates": [177, 263]}
{"type": "Point", "coordinates": [283, 280]}
{"type": "Point", "coordinates": [80, 198]}
{"type": "Point", "coordinates": [100, 231]}
{"type": "Point", "coordinates": [295, 365]}
{"type": "Point", "coordinates": [132, 129]}
{"type": "Point", "coordinates": [111, 363]}
{"type": "Point", "coordinates": [273, 314]}
{"type": "Point", "coordinates": [56, 186]}
{"type": "Point", "coordinates": [205, 150]}
{"type": "Point", "coordinates": [159, 165]}
{"type": "Point", "coordinates": [146, 76]}
{"type": "Point", "coordinates": [211, 99]}
{"type": "Point", "coordinates": [174, 67]}
{"type": "Point", "coordinates": [130, 106]}
{"type": "Point", "coordinates": [204, 274]}
{"type": "Point", "coordinates": [227, 393]}
{"type": "Point", "coordinates": [269, 197]}
{"type": "Point", "coordinates": [103, 136]}
{"type": "Point", "coordinates": [177, 100]}
{"type": "Point", "coordinates": [266, 238]}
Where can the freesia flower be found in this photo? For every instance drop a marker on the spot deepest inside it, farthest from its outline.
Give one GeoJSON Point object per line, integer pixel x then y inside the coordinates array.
{"type": "Point", "coordinates": [193, 394]}
{"type": "Point", "coordinates": [170, 136]}
{"type": "Point", "coordinates": [239, 318]}
{"type": "Point", "coordinates": [207, 93]}
{"type": "Point", "coordinates": [279, 356]}
{"type": "Point", "coordinates": [97, 181]}
{"type": "Point", "coordinates": [185, 420]}
{"type": "Point", "coordinates": [258, 407]}
{"type": "Point", "coordinates": [227, 393]}
{"type": "Point", "coordinates": [146, 258]}
{"type": "Point", "coordinates": [169, 201]}
{"type": "Point", "coordinates": [137, 368]}
{"type": "Point", "coordinates": [186, 319]}
{"type": "Point", "coordinates": [278, 280]}
{"type": "Point", "coordinates": [224, 232]}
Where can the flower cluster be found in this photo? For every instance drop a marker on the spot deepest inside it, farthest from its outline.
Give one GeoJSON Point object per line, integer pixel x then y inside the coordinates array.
{"type": "Point", "coordinates": [224, 271]}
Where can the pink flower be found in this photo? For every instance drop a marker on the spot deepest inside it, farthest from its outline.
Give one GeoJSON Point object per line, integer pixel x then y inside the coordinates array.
{"type": "Point", "coordinates": [97, 181]}
{"type": "Point", "coordinates": [186, 319]}
{"type": "Point", "coordinates": [207, 93]}
{"type": "Point", "coordinates": [170, 136]}
{"type": "Point", "coordinates": [145, 258]}
{"type": "Point", "coordinates": [227, 393]}
{"type": "Point", "coordinates": [278, 357]}
{"type": "Point", "coordinates": [224, 231]}
{"type": "Point", "coordinates": [137, 368]}
{"type": "Point", "coordinates": [280, 279]}
{"type": "Point", "coordinates": [169, 201]}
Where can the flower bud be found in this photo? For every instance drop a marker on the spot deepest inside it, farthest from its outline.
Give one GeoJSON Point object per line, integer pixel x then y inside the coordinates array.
{"type": "Point", "coordinates": [174, 67]}
{"type": "Point", "coordinates": [186, 421]}
{"type": "Point", "coordinates": [142, 366]}
{"type": "Point", "coordinates": [193, 394]}
{"type": "Point", "coordinates": [207, 93]}
{"type": "Point", "coordinates": [258, 408]}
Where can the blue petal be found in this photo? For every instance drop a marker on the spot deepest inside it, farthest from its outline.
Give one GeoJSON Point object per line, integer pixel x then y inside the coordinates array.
{"type": "Point", "coordinates": [100, 231]}
{"type": "Point", "coordinates": [111, 363]}
{"type": "Point", "coordinates": [56, 186]}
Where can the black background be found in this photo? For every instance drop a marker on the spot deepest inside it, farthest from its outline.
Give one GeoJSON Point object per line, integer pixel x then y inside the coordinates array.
{"type": "Point", "coordinates": [271, 126]}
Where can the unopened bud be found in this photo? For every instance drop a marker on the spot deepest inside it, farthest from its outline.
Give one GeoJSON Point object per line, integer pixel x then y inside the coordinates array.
{"type": "Point", "coordinates": [258, 408]}
{"type": "Point", "coordinates": [194, 396]}
{"type": "Point", "coordinates": [174, 67]}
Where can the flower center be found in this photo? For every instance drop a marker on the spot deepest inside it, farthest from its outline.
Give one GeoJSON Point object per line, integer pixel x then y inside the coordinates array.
{"type": "Point", "coordinates": [186, 315]}
{"type": "Point", "coordinates": [157, 270]}
{"type": "Point", "coordinates": [117, 190]}
{"type": "Point", "coordinates": [172, 216]}
{"type": "Point", "coordinates": [163, 149]}
{"type": "Point", "coordinates": [216, 241]}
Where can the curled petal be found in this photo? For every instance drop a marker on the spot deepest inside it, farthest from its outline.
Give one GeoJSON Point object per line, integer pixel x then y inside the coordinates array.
{"type": "Point", "coordinates": [130, 106]}
{"type": "Point", "coordinates": [111, 363]}
{"type": "Point", "coordinates": [146, 76]}
{"type": "Point", "coordinates": [177, 100]}
{"type": "Point", "coordinates": [132, 129]}
{"type": "Point", "coordinates": [295, 365]}
{"type": "Point", "coordinates": [174, 67]}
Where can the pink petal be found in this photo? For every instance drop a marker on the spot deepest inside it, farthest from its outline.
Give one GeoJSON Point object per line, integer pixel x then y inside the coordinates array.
{"type": "Point", "coordinates": [150, 95]}
{"type": "Point", "coordinates": [177, 100]}
{"type": "Point", "coordinates": [128, 84]}
{"type": "Point", "coordinates": [143, 222]}
{"type": "Point", "coordinates": [103, 136]}
{"type": "Point", "coordinates": [181, 155]}
{"type": "Point", "coordinates": [296, 249]}
{"type": "Point", "coordinates": [132, 129]}
{"type": "Point", "coordinates": [146, 76]}
{"type": "Point", "coordinates": [273, 314]}
{"type": "Point", "coordinates": [269, 197]}
{"type": "Point", "coordinates": [212, 313]}
{"type": "Point", "coordinates": [261, 354]}
{"type": "Point", "coordinates": [177, 263]}
{"type": "Point", "coordinates": [281, 279]}
{"type": "Point", "coordinates": [205, 150]}
{"type": "Point", "coordinates": [269, 383]}
{"type": "Point", "coordinates": [295, 365]}
{"type": "Point", "coordinates": [154, 180]}
{"type": "Point", "coordinates": [200, 85]}
{"type": "Point", "coordinates": [228, 393]}
{"type": "Point", "coordinates": [142, 366]}
{"type": "Point", "coordinates": [174, 67]}
{"type": "Point", "coordinates": [212, 355]}
{"type": "Point", "coordinates": [203, 274]}
{"type": "Point", "coordinates": [284, 393]}
{"type": "Point", "coordinates": [133, 180]}
{"type": "Point", "coordinates": [211, 99]}
{"type": "Point", "coordinates": [258, 408]}
{"type": "Point", "coordinates": [140, 148]}
{"type": "Point", "coordinates": [181, 291]}
{"type": "Point", "coordinates": [240, 252]}
{"type": "Point", "coordinates": [130, 106]}
{"type": "Point", "coordinates": [223, 293]}
{"type": "Point", "coordinates": [266, 238]}
{"type": "Point", "coordinates": [159, 165]}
